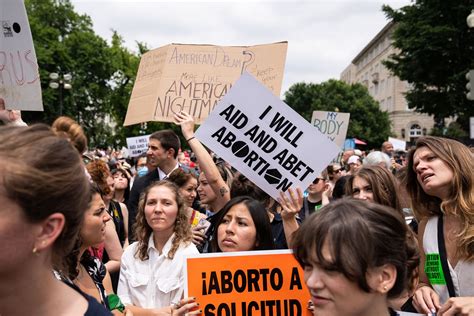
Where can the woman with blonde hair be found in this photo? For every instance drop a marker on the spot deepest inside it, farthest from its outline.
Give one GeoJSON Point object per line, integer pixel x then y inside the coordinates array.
{"type": "Point", "coordinates": [439, 179]}
{"type": "Point", "coordinates": [152, 270]}
{"type": "Point", "coordinates": [44, 193]}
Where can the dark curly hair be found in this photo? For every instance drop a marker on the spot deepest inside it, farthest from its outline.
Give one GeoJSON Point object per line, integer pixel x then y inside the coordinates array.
{"type": "Point", "coordinates": [99, 172]}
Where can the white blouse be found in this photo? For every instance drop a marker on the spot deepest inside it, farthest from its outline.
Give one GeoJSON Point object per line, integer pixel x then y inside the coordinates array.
{"type": "Point", "coordinates": [156, 282]}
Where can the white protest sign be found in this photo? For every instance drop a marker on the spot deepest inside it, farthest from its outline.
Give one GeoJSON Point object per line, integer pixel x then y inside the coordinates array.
{"type": "Point", "coordinates": [137, 145]}
{"type": "Point", "coordinates": [20, 86]}
{"type": "Point", "coordinates": [265, 139]}
{"type": "Point", "coordinates": [332, 124]}
{"type": "Point", "coordinates": [398, 144]}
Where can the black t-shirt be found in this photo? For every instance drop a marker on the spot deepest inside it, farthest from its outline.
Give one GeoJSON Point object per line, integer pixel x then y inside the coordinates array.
{"type": "Point", "coordinates": [309, 208]}
{"type": "Point", "coordinates": [278, 232]}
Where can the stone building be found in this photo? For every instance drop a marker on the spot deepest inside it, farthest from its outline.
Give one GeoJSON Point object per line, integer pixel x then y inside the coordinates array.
{"type": "Point", "coordinates": [367, 68]}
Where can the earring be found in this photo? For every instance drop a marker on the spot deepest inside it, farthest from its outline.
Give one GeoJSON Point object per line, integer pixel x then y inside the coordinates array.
{"type": "Point", "coordinates": [35, 251]}
{"type": "Point", "coordinates": [385, 288]}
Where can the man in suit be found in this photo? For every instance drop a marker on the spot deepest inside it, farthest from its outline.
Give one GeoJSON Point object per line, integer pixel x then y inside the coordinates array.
{"type": "Point", "coordinates": [163, 148]}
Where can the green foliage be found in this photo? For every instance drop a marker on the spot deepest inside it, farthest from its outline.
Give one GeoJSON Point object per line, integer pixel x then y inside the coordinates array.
{"type": "Point", "coordinates": [436, 50]}
{"type": "Point", "coordinates": [102, 73]}
{"type": "Point", "coordinates": [454, 130]}
{"type": "Point", "coordinates": [367, 121]}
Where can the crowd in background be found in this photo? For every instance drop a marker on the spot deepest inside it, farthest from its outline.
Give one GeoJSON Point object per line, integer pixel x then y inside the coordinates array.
{"type": "Point", "coordinates": [375, 233]}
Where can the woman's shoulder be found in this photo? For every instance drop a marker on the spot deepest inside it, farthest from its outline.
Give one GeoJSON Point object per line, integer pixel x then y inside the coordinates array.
{"type": "Point", "coordinates": [129, 252]}
{"type": "Point", "coordinates": [187, 248]}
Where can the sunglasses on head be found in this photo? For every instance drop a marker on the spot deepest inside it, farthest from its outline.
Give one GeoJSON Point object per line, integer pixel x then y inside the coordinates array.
{"type": "Point", "coordinates": [187, 169]}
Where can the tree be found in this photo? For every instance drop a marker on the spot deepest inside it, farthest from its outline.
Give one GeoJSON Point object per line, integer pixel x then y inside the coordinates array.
{"type": "Point", "coordinates": [436, 50]}
{"type": "Point", "coordinates": [126, 65]}
{"type": "Point", "coordinates": [101, 74]}
{"type": "Point", "coordinates": [367, 121]}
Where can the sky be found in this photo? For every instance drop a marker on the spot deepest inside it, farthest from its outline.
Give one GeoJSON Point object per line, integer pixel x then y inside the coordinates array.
{"type": "Point", "coordinates": [323, 35]}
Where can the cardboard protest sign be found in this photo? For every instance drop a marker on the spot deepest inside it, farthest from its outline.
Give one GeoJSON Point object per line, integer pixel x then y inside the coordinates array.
{"type": "Point", "coordinates": [19, 77]}
{"type": "Point", "coordinates": [265, 139]}
{"type": "Point", "coordinates": [137, 145]}
{"type": "Point", "coordinates": [193, 78]}
{"type": "Point", "coordinates": [247, 283]}
{"type": "Point", "coordinates": [332, 124]}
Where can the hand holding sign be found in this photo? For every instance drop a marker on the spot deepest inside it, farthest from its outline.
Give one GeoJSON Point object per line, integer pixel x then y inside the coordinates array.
{"type": "Point", "coordinates": [292, 205]}
{"type": "Point", "coordinates": [12, 117]}
{"type": "Point", "coordinates": [198, 235]}
{"type": "Point", "coordinates": [186, 306]}
{"type": "Point", "coordinates": [186, 122]}
{"type": "Point", "coordinates": [209, 169]}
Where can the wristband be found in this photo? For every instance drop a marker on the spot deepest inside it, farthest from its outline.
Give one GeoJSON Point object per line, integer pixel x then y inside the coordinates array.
{"type": "Point", "coordinates": [190, 138]}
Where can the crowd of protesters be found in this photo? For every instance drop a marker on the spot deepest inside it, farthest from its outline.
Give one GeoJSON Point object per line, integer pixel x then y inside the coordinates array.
{"type": "Point", "coordinates": [80, 225]}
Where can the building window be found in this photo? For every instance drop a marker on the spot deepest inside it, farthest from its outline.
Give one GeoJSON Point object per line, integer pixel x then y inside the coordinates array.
{"type": "Point", "coordinates": [415, 130]}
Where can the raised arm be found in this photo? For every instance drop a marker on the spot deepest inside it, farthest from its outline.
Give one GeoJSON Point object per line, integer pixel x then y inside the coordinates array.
{"type": "Point", "coordinates": [207, 165]}
{"type": "Point", "coordinates": [113, 247]}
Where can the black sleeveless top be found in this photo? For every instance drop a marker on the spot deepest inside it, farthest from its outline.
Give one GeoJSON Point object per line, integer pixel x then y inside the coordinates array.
{"type": "Point", "coordinates": [94, 308]}
{"type": "Point", "coordinates": [115, 211]}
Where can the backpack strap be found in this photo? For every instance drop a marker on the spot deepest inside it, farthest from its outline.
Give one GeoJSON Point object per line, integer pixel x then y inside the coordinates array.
{"type": "Point", "coordinates": [444, 258]}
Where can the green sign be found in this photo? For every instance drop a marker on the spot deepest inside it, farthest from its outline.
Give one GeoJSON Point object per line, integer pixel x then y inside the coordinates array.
{"type": "Point", "coordinates": [434, 270]}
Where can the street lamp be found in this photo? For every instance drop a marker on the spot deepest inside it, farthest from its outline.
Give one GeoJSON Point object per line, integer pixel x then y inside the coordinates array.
{"type": "Point", "coordinates": [470, 74]}
{"type": "Point", "coordinates": [470, 19]}
{"type": "Point", "coordinates": [60, 82]}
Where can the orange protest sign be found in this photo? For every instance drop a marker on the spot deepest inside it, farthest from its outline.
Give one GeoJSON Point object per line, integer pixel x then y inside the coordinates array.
{"type": "Point", "coordinates": [249, 283]}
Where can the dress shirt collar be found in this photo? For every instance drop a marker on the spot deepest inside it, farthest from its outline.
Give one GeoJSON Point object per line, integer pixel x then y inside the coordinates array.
{"type": "Point", "coordinates": [163, 175]}
{"type": "Point", "coordinates": [166, 247]}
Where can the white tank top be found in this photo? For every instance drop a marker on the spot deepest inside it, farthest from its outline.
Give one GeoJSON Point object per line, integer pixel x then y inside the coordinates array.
{"type": "Point", "coordinates": [462, 274]}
